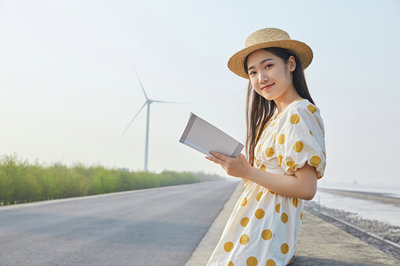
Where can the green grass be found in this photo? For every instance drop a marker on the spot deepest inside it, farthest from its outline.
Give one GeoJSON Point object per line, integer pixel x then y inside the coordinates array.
{"type": "Point", "coordinates": [22, 182]}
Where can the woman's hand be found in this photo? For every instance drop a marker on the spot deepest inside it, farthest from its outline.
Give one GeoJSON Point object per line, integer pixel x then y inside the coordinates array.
{"type": "Point", "coordinates": [237, 167]}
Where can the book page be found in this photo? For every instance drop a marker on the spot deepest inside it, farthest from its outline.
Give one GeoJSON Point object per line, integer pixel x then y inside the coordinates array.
{"type": "Point", "coordinates": [205, 137]}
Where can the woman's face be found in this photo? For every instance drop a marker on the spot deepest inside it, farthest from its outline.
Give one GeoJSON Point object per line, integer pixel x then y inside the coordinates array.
{"type": "Point", "coordinates": [269, 75]}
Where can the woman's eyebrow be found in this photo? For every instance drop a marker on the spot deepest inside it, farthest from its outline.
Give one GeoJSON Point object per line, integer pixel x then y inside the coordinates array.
{"type": "Point", "coordinates": [262, 62]}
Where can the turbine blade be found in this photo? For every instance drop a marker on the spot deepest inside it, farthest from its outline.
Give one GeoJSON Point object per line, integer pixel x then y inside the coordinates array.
{"type": "Point", "coordinates": [133, 119]}
{"type": "Point", "coordinates": [141, 85]}
{"type": "Point", "coordinates": [154, 101]}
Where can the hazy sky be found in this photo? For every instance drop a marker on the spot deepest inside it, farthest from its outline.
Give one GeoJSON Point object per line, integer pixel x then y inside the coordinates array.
{"type": "Point", "coordinates": [67, 89]}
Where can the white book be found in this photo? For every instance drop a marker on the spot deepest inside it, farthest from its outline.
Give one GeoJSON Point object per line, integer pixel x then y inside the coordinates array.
{"type": "Point", "coordinates": [204, 137]}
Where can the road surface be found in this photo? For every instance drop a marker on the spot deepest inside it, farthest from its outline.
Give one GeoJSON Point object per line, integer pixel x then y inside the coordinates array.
{"type": "Point", "coordinates": [160, 226]}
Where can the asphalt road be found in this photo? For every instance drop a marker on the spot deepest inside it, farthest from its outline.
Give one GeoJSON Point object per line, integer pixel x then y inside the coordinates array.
{"type": "Point", "coordinates": [161, 226]}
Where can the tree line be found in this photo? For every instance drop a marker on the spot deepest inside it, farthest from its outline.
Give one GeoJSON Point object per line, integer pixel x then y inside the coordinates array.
{"type": "Point", "coordinates": [22, 182]}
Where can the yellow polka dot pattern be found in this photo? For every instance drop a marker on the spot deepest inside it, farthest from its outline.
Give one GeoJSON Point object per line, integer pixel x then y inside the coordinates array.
{"type": "Point", "coordinates": [259, 213]}
{"type": "Point", "coordinates": [284, 248]}
{"type": "Point", "coordinates": [263, 167]}
{"type": "Point", "coordinates": [281, 138]}
{"type": "Point", "coordinates": [301, 216]}
{"type": "Point", "coordinates": [291, 164]}
{"type": "Point", "coordinates": [244, 201]}
{"type": "Point", "coordinates": [271, 262]}
{"type": "Point", "coordinates": [298, 146]}
{"type": "Point", "coordinates": [284, 217]}
{"type": "Point", "coordinates": [230, 263]}
{"type": "Point", "coordinates": [269, 151]}
{"type": "Point", "coordinates": [299, 138]}
{"type": "Point", "coordinates": [312, 108]}
{"type": "Point", "coordinates": [278, 208]}
{"type": "Point", "coordinates": [244, 239]}
{"type": "Point", "coordinates": [315, 161]}
{"type": "Point", "coordinates": [244, 221]}
{"type": "Point", "coordinates": [251, 261]}
{"type": "Point", "coordinates": [266, 234]}
{"type": "Point", "coordinates": [295, 201]}
{"type": "Point", "coordinates": [291, 146]}
{"type": "Point", "coordinates": [295, 119]}
{"type": "Point", "coordinates": [280, 158]}
{"type": "Point", "coordinates": [228, 246]}
{"type": "Point", "coordinates": [259, 195]}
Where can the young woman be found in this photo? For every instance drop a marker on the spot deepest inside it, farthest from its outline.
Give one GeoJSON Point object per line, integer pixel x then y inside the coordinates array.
{"type": "Point", "coordinates": [285, 147]}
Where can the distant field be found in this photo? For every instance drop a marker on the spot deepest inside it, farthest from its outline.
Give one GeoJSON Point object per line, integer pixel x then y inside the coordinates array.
{"type": "Point", "coordinates": [22, 182]}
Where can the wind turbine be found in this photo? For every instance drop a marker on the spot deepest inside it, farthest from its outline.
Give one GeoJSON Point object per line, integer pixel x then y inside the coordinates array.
{"type": "Point", "coordinates": [147, 102]}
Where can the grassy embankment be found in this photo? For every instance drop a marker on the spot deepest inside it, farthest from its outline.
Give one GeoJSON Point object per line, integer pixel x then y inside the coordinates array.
{"type": "Point", "coordinates": [22, 182]}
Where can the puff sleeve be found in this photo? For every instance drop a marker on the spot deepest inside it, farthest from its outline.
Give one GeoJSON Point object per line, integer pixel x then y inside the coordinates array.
{"type": "Point", "coordinates": [301, 140]}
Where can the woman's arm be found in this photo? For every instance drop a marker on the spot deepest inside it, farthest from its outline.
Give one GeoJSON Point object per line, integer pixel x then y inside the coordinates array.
{"type": "Point", "coordinates": [303, 184]}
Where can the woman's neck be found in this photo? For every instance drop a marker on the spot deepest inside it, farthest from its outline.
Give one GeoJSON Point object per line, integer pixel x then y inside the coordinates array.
{"type": "Point", "coordinates": [286, 99]}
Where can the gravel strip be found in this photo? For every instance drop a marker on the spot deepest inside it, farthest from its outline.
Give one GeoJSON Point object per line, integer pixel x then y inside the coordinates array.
{"type": "Point", "coordinates": [388, 232]}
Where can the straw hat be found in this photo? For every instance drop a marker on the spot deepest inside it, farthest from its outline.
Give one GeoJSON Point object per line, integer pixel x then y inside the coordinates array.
{"type": "Point", "coordinates": [269, 37]}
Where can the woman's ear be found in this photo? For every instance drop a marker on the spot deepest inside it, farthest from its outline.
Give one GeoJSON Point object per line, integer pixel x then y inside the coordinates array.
{"type": "Point", "coordinates": [292, 63]}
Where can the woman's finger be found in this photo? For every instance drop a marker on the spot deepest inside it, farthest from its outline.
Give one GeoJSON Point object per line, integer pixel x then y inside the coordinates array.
{"type": "Point", "coordinates": [215, 159]}
{"type": "Point", "coordinates": [218, 161]}
{"type": "Point", "coordinates": [219, 155]}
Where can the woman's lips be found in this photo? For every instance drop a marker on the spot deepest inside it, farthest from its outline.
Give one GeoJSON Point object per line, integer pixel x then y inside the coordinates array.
{"type": "Point", "coordinates": [267, 87]}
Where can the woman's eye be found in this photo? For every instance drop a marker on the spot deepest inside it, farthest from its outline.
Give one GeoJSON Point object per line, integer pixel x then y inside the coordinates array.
{"type": "Point", "coordinates": [252, 73]}
{"type": "Point", "coordinates": [269, 66]}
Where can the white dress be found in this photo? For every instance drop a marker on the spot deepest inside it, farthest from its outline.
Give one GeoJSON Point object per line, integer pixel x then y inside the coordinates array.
{"type": "Point", "coordinates": [264, 226]}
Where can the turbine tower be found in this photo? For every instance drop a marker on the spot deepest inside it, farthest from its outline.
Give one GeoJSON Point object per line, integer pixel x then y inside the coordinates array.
{"type": "Point", "coordinates": [147, 102]}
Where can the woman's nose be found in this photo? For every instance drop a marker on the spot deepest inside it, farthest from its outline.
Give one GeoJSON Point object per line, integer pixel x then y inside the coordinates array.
{"type": "Point", "coordinates": [262, 78]}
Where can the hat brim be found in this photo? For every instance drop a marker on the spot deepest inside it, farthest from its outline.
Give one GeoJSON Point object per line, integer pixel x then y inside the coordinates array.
{"type": "Point", "coordinates": [302, 50]}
